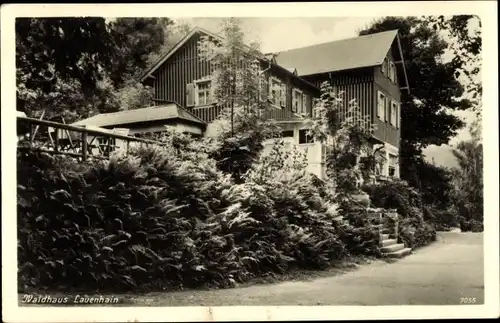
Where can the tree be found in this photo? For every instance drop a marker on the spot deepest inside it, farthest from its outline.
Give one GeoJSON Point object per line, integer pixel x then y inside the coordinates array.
{"type": "Point", "coordinates": [60, 53]}
{"type": "Point", "coordinates": [136, 39]}
{"type": "Point", "coordinates": [435, 90]}
{"type": "Point", "coordinates": [469, 177]}
{"type": "Point", "coordinates": [77, 67]}
{"type": "Point", "coordinates": [174, 33]}
{"type": "Point", "coordinates": [466, 45]}
{"type": "Point", "coordinates": [350, 155]}
{"type": "Point", "coordinates": [236, 82]}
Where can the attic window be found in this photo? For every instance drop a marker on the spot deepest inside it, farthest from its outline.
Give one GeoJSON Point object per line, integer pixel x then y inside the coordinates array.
{"type": "Point", "coordinates": [384, 66]}
{"type": "Point", "coordinates": [392, 72]}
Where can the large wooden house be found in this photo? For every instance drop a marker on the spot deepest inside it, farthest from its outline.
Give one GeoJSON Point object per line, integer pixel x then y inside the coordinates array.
{"type": "Point", "coordinates": [369, 69]}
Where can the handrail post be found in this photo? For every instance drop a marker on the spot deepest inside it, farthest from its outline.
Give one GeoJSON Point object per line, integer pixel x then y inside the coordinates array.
{"type": "Point", "coordinates": [84, 146]}
{"type": "Point", "coordinates": [56, 139]}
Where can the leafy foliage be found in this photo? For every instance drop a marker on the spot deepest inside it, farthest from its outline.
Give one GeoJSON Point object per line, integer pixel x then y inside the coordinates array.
{"type": "Point", "coordinates": [77, 67]}
{"type": "Point", "coordinates": [350, 154]}
{"type": "Point", "coordinates": [416, 227]}
{"type": "Point", "coordinates": [468, 181]}
{"type": "Point", "coordinates": [236, 81]}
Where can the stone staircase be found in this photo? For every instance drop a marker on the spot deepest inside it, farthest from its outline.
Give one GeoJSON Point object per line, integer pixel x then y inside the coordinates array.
{"type": "Point", "coordinates": [389, 245]}
{"type": "Point", "coordinates": [387, 221]}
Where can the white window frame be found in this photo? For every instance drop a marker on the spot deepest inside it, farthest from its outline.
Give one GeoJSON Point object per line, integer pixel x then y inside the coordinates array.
{"type": "Point", "coordinates": [283, 95]}
{"type": "Point", "coordinates": [381, 111]}
{"type": "Point", "coordinates": [392, 157]}
{"type": "Point", "coordinates": [394, 117]}
{"type": "Point", "coordinates": [392, 71]}
{"type": "Point", "coordinates": [297, 98]}
{"type": "Point", "coordinates": [384, 67]}
{"type": "Point", "coordinates": [304, 103]}
{"type": "Point", "coordinates": [208, 99]}
{"type": "Point", "coordinates": [275, 99]}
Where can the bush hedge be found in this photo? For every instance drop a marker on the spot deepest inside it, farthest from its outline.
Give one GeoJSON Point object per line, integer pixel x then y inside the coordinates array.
{"type": "Point", "coordinates": [416, 226]}
{"type": "Point", "coordinates": [156, 220]}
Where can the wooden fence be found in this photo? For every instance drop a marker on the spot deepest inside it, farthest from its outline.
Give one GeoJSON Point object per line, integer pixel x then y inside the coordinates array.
{"type": "Point", "coordinates": [79, 142]}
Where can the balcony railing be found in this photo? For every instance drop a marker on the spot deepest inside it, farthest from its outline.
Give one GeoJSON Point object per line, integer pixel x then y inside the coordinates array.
{"type": "Point", "coordinates": [79, 142]}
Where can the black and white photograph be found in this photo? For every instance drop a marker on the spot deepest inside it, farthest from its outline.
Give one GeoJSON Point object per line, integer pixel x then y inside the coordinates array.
{"type": "Point", "coordinates": [246, 158]}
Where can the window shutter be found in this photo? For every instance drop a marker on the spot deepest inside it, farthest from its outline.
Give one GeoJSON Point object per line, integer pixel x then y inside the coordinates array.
{"type": "Point", "coordinates": [398, 118]}
{"type": "Point", "coordinates": [190, 92]}
{"type": "Point", "coordinates": [294, 100]}
{"type": "Point", "coordinates": [277, 97]}
{"type": "Point", "coordinates": [308, 108]}
{"type": "Point", "coordinates": [283, 95]}
{"type": "Point", "coordinates": [212, 93]}
{"type": "Point", "coordinates": [386, 108]}
{"type": "Point", "coordinates": [378, 104]}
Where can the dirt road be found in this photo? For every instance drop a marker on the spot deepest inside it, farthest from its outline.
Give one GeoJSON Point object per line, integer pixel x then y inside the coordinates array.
{"type": "Point", "coordinates": [439, 274]}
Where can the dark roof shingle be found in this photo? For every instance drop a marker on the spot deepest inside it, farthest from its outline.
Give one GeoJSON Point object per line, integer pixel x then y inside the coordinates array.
{"type": "Point", "coordinates": [345, 54]}
{"type": "Point", "coordinates": [155, 113]}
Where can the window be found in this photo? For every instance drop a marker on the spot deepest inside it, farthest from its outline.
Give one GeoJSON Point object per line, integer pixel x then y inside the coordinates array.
{"type": "Point", "coordinates": [314, 105]}
{"type": "Point", "coordinates": [381, 106]}
{"type": "Point", "coordinates": [275, 90]}
{"type": "Point", "coordinates": [392, 72]}
{"type": "Point", "coordinates": [384, 66]}
{"type": "Point", "coordinates": [203, 93]}
{"type": "Point", "coordinates": [393, 163]}
{"type": "Point", "coordinates": [283, 95]}
{"type": "Point", "coordinates": [287, 134]}
{"type": "Point", "coordinates": [304, 103]}
{"type": "Point", "coordinates": [298, 101]}
{"type": "Point", "coordinates": [394, 114]}
{"type": "Point", "coordinates": [304, 137]}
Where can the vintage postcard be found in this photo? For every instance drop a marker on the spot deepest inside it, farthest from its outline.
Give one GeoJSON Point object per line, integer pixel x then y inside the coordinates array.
{"type": "Point", "coordinates": [271, 161]}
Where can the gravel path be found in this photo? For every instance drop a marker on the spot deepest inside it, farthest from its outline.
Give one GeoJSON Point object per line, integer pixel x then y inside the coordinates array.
{"type": "Point", "coordinates": [439, 274]}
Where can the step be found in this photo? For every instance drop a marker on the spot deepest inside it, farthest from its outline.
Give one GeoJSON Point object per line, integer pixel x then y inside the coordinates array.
{"type": "Point", "coordinates": [398, 254]}
{"type": "Point", "coordinates": [392, 248]}
{"type": "Point", "coordinates": [384, 236]}
{"type": "Point", "coordinates": [387, 231]}
{"type": "Point", "coordinates": [388, 242]}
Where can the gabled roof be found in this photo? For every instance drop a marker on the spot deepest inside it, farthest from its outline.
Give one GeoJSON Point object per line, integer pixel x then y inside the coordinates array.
{"type": "Point", "coordinates": [269, 57]}
{"type": "Point", "coordinates": [345, 54]}
{"type": "Point", "coordinates": [155, 113]}
{"type": "Point", "coordinates": [149, 72]}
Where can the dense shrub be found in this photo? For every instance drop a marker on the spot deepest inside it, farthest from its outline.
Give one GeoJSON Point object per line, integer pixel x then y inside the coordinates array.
{"type": "Point", "coordinates": [161, 219]}
{"type": "Point", "coordinates": [359, 234]}
{"type": "Point", "coordinates": [471, 225]}
{"type": "Point", "coordinates": [416, 233]}
{"type": "Point", "coordinates": [416, 221]}
{"type": "Point", "coordinates": [444, 220]}
{"type": "Point", "coordinates": [394, 195]}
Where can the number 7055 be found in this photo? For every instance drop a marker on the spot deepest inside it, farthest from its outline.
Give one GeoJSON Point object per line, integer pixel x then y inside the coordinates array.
{"type": "Point", "coordinates": [467, 300]}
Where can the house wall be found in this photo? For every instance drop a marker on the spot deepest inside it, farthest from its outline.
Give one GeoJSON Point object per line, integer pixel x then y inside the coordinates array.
{"type": "Point", "coordinates": [354, 84]}
{"type": "Point", "coordinates": [312, 151]}
{"type": "Point", "coordinates": [384, 130]}
{"type": "Point", "coordinates": [185, 66]}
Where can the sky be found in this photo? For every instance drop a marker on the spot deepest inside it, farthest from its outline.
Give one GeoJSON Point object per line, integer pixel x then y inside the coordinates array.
{"type": "Point", "coordinates": [278, 34]}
